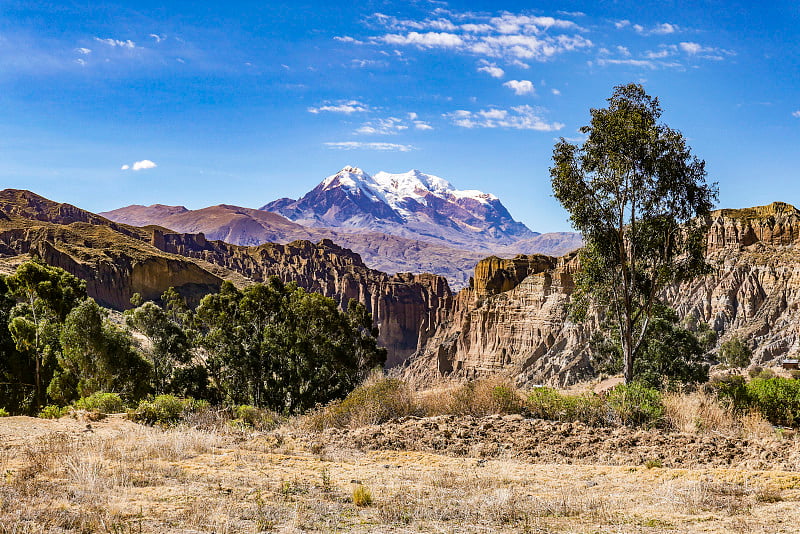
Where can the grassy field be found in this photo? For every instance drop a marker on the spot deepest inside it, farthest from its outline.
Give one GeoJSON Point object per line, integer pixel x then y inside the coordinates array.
{"type": "Point", "coordinates": [122, 477]}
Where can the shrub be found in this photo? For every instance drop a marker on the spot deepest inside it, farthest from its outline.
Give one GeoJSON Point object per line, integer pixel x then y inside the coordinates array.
{"type": "Point", "coordinates": [488, 396]}
{"type": "Point", "coordinates": [735, 353]}
{"type": "Point", "coordinates": [163, 410]}
{"type": "Point", "coordinates": [100, 402]}
{"type": "Point", "coordinates": [54, 412]}
{"type": "Point", "coordinates": [362, 496]}
{"type": "Point", "coordinates": [547, 403]}
{"type": "Point", "coordinates": [376, 401]}
{"type": "Point", "coordinates": [253, 417]}
{"type": "Point", "coordinates": [778, 399]}
{"type": "Point", "coordinates": [4, 412]}
{"type": "Point", "coordinates": [636, 405]}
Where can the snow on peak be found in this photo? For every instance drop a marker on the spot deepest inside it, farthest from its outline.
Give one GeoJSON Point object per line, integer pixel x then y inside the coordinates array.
{"type": "Point", "coordinates": [397, 189]}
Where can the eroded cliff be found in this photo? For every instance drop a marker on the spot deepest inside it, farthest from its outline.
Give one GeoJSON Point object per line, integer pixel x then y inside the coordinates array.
{"type": "Point", "coordinates": [513, 319]}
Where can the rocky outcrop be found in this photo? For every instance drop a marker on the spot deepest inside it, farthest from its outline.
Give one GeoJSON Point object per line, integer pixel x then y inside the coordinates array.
{"type": "Point", "coordinates": [114, 266]}
{"type": "Point", "coordinates": [117, 260]}
{"type": "Point", "coordinates": [513, 319]}
{"type": "Point", "coordinates": [405, 307]}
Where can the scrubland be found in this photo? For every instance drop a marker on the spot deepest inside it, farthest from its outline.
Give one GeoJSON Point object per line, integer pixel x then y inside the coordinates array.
{"type": "Point", "coordinates": [476, 458]}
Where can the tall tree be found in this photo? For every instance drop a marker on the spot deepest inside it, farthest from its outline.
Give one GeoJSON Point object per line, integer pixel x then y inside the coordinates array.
{"type": "Point", "coordinates": [97, 355]}
{"type": "Point", "coordinates": [636, 194]}
{"type": "Point", "coordinates": [45, 295]}
{"type": "Point", "coordinates": [168, 348]}
{"type": "Point", "coordinates": [277, 346]}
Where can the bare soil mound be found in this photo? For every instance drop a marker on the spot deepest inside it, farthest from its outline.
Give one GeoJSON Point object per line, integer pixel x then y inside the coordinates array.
{"type": "Point", "coordinates": [539, 441]}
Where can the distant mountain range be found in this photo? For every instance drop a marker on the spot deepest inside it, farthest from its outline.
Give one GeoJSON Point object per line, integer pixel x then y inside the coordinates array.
{"type": "Point", "coordinates": [409, 222]}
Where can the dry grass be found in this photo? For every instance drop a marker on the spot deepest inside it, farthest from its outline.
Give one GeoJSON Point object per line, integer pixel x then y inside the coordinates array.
{"type": "Point", "coordinates": [126, 478]}
{"type": "Point", "coordinates": [700, 412]}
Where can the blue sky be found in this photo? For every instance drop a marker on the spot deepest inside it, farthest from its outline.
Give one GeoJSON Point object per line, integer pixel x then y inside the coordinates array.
{"type": "Point", "coordinates": [108, 104]}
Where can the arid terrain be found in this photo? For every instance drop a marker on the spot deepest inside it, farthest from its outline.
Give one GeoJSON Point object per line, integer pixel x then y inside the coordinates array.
{"type": "Point", "coordinates": [445, 474]}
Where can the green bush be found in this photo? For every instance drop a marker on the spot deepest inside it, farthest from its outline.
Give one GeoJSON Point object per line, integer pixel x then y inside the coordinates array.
{"type": "Point", "coordinates": [163, 410]}
{"type": "Point", "coordinates": [100, 402]}
{"type": "Point", "coordinates": [54, 412]}
{"type": "Point", "coordinates": [778, 399]}
{"type": "Point", "coordinates": [374, 402]}
{"type": "Point", "coordinates": [735, 352]}
{"type": "Point", "coordinates": [253, 417]}
{"type": "Point", "coordinates": [731, 390]}
{"type": "Point", "coordinates": [635, 405]}
{"type": "Point", "coordinates": [4, 412]}
{"type": "Point", "coordinates": [547, 403]}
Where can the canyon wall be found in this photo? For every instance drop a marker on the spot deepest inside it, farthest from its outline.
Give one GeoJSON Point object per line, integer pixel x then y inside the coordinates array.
{"type": "Point", "coordinates": [513, 318]}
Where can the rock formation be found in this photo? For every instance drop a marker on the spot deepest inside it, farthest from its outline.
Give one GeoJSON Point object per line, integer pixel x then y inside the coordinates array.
{"type": "Point", "coordinates": [117, 260]}
{"type": "Point", "coordinates": [513, 318]}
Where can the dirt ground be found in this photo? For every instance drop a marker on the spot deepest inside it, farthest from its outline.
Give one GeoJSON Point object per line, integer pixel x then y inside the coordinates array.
{"type": "Point", "coordinates": [442, 474]}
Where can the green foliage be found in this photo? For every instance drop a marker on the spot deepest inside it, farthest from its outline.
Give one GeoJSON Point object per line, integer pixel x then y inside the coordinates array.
{"type": "Point", "coordinates": [547, 403]}
{"type": "Point", "coordinates": [4, 412]}
{"type": "Point", "coordinates": [669, 354]}
{"type": "Point", "coordinates": [100, 402]}
{"type": "Point", "coordinates": [735, 353]}
{"type": "Point", "coordinates": [636, 404]}
{"type": "Point", "coordinates": [163, 410]}
{"type": "Point", "coordinates": [169, 347]}
{"type": "Point", "coordinates": [253, 417]}
{"type": "Point", "coordinates": [276, 346]}
{"type": "Point", "coordinates": [52, 411]}
{"type": "Point", "coordinates": [777, 399]}
{"type": "Point", "coordinates": [634, 191]}
{"type": "Point", "coordinates": [372, 403]}
{"type": "Point", "coordinates": [44, 296]}
{"type": "Point", "coordinates": [97, 356]}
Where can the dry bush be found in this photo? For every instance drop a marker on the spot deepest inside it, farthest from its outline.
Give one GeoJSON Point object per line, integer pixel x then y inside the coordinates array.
{"type": "Point", "coordinates": [697, 412]}
{"type": "Point", "coordinates": [709, 496]}
{"type": "Point", "coordinates": [488, 396]}
{"type": "Point", "coordinates": [376, 401]}
{"type": "Point", "coordinates": [700, 412]}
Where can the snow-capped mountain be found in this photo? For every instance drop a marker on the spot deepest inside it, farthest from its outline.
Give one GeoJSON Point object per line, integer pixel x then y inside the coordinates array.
{"type": "Point", "coordinates": [412, 204]}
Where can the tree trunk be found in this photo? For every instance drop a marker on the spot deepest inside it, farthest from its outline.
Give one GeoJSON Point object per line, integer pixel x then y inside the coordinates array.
{"type": "Point", "coordinates": [627, 351]}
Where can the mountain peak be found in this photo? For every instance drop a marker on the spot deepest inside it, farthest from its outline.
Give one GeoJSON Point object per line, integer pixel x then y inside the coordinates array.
{"type": "Point", "coordinates": [411, 204]}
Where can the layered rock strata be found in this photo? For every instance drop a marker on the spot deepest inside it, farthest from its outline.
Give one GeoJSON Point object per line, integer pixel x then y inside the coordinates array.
{"type": "Point", "coordinates": [118, 260]}
{"type": "Point", "coordinates": [513, 318]}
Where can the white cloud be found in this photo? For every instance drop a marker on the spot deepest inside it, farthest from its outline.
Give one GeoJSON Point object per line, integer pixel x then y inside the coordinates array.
{"type": "Point", "coordinates": [520, 87]}
{"type": "Point", "coordinates": [623, 51]}
{"type": "Point", "coordinates": [80, 62]}
{"type": "Point", "coordinates": [387, 126]}
{"type": "Point", "coordinates": [116, 43]}
{"type": "Point", "coordinates": [518, 118]}
{"type": "Point", "coordinates": [512, 37]}
{"type": "Point", "coordinates": [84, 51]}
{"type": "Point", "coordinates": [691, 48]}
{"type": "Point", "coordinates": [346, 107]}
{"type": "Point", "coordinates": [157, 37]}
{"type": "Point", "coordinates": [355, 145]}
{"type": "Point", "coordinates": [665, 28]}
{"type": "Point", "coordinates": [622, 24]}
{"type": "Point", "coordinates": [144, 165]}
{"type": "Point", "coordinates": [796, 114]}
{"type": "Point", "coordinates": [347, 39]}
{"type": "Point", "coordinates": [422, 125]}
{"type": "Point", "coordinates": [491, 69]}
{"type": "Point", "coordinates": [426, 40]}
{"type": "Point", "coordinates": [363, 63]}
{"type": "Point", "coordinates": [555, 91]}
{"type": "Point", "coordinates": [140, 165]}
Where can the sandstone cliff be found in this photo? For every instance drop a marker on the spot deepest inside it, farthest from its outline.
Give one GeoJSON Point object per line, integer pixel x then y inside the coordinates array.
{"type": "Point", "coordinates": [117, 260]}
{"type": "Point", "coordinates": [405, 307]}
{"type": "Point", "coordinates": [513, 317]}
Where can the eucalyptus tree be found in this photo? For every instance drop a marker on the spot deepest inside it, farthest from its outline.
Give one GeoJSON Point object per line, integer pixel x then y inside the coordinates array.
{"type": "Point", "coordinates": [44, 297]}
{"type": "Point", "coordinates": [637, 195]}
